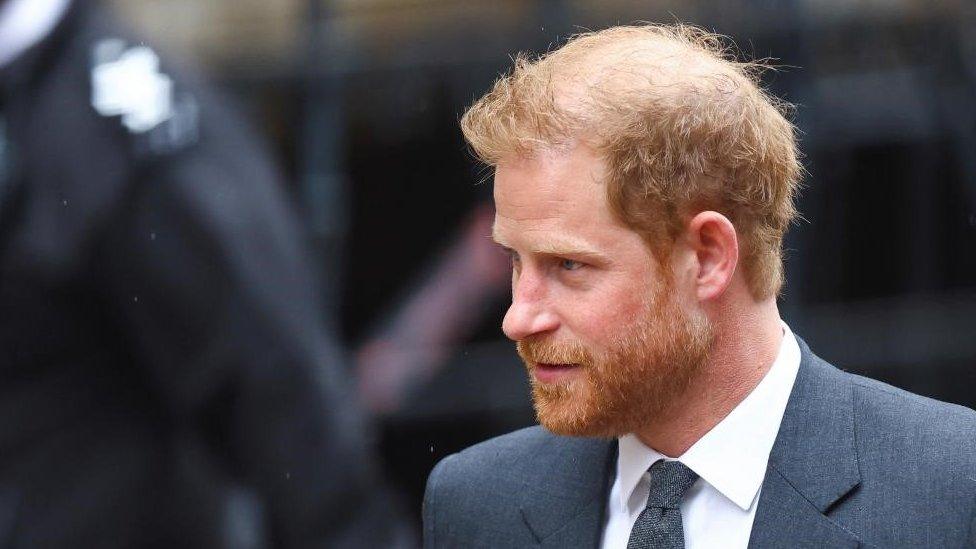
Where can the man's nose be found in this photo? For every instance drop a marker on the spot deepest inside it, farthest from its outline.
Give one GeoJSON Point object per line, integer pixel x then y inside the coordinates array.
{"type": "Point", "coordinates": [528, 315]}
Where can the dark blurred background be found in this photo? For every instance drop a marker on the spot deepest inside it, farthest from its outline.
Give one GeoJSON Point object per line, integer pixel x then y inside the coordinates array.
{"type": "Point", "coordinates": [360, 101]}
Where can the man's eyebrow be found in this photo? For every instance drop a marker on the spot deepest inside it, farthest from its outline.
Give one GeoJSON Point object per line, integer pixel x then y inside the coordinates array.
{"type": "Point", "coordinates": [556, 247]}
{"type": "Point", "coordinates": [568, 247]}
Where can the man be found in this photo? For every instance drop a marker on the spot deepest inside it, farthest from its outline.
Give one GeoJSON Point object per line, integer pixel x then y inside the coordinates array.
{"type": "Point", "coordinates": [643, 184]}
{"type": "Point", "coordinates": [166, 379]}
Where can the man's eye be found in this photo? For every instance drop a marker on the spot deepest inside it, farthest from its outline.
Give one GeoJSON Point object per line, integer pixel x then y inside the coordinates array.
{"type": "Point", "coordinates": [569, 264]}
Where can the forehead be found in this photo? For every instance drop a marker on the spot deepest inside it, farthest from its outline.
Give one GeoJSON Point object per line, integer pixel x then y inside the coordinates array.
{"type": "Point", "coordinates": [550, 184]}
{"type": "Point", "coordinates": [555, 194]}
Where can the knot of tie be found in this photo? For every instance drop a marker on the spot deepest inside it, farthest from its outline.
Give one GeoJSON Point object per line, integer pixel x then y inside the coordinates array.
{"type": "Point", "coordinates": [669, 482]}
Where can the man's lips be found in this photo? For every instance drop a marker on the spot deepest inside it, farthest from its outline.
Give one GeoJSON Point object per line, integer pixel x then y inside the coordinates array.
{"type": "Point", "coordinates": [551, 373]}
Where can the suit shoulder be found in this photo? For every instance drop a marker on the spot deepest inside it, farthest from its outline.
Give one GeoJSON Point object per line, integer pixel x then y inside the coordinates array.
{"type": "Point", "coordinates": [890, 419]}
{"type": "Point", "coordinates": [485, 480]}
{"type": "Point", "coordinates": [910, 408]}
{"type": "Point", "coordinates": [493, 457]}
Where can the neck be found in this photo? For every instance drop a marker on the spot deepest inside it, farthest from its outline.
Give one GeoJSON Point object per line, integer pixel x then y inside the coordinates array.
{"type": "Point", "coordinates": [744, 348]}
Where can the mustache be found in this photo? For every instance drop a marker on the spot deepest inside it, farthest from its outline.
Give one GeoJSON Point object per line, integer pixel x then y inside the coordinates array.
{"type": "Point", "coordinates": [537, 351]}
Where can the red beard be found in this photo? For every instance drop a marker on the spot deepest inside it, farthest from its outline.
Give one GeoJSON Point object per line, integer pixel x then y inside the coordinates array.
{"type": "Point", "coordinates": [643, 372]}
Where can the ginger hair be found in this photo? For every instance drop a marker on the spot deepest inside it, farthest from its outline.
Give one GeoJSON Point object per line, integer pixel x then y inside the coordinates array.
{"type": "Point", "coordinates": [682, 126]}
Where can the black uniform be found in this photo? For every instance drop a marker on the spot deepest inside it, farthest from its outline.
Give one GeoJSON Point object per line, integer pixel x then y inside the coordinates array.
{"type": "Point", "coordinates": [160, 341]}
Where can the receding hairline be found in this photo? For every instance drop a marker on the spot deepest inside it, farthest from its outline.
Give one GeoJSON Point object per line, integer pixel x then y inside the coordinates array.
{"type": "Point", "coordinates": [641, 55]}
{"type": "Point", "coordinates": [594, 70]}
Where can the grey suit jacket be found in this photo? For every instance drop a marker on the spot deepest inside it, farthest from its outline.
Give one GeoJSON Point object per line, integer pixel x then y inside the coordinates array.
{"type": "Point", "coordinates": [856, 463]}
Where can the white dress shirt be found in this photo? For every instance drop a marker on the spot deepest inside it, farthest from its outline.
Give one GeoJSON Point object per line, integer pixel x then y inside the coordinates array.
{"type": "Point", "coordinates": [24, 23]}
{"type": "Point", "coordinates": [719, 508]}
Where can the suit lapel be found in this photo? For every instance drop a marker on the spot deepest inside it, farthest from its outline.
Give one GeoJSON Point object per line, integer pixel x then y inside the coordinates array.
{"type": "Point", "coordinates": [567, 510]}
{"type": "Point", "coordinates": [785, 518]}
{"type": "Point", "coordinates": [813, 463]}
{"type": "Point", "coordinates": [580, 531]}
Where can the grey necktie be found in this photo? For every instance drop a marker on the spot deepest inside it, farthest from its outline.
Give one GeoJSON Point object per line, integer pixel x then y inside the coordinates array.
{"type": "Point", "coordinates": [659, 524]}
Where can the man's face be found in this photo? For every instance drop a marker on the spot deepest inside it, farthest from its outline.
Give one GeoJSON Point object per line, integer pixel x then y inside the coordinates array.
{"type": "Point", "coordinates": [601, 329]}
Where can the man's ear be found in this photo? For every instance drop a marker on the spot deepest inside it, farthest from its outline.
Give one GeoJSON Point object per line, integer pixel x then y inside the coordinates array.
{"type": "Point", "coordinates": [713, 240]}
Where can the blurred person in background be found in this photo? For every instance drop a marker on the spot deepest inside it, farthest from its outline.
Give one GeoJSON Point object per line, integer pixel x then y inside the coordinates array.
{"type": "Point", "coordinates": [418, 335]}
{"type": "Point", "coordinates": [643, 184]}
{"type": "Point", "coordinates": [166, 377]}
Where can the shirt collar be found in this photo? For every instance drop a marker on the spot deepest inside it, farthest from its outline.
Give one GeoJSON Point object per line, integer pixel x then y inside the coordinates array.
{"type": "Point", "coordinates": [733, 455]}
{"type": "Point", "coordinates": [24, 23]}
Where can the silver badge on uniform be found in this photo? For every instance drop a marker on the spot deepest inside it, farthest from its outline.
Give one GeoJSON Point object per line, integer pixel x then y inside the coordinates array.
{"type": "Point", "coordinates": [127, 82]}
